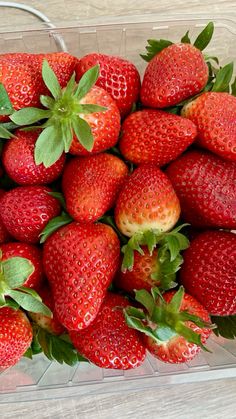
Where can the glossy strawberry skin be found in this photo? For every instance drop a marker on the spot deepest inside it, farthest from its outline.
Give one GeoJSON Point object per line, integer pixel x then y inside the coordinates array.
{"type": "Point", "coordinates": [140, 276]}
{"type": "Point", "coordinates": [214, 114]}
{"type": "Point", "coordinates": [155, 136]}
{"type": "Point", "coordinates": [80, 261]}
{"type": "Point", "coordinates": [27, 251]}
{"type": "Point", "coordinates": [15, 336]}
{"type": "Point", "coordinates": [177, 350]}
{"type": "Point", "coordinates": [22, 83]}
{"type": "Point", "coordinates": [91, 185]}
{"type": "Point", "coordinates": [4, 234]}
{"type": "Point", "coordinates": [109, 342]}
{"type": "Point", "coordinates": [26, 210]}
{"type": "Point", "coordinates": [175, 74]}
{"type": "Point", "coordinates": [105, 126]}
{"type": "Point", "coordinates": [18, 161]}
{"type": "Point", "coordinates": [119, 77]}
{"type": "Point", "coordinates": [51, 324]}
{"type": "Point", "coordinates": [209, 271]}
{"type": "Point", "coordinates": [146, 201]}
{"type": "Point", "coordinates": [206, 188]}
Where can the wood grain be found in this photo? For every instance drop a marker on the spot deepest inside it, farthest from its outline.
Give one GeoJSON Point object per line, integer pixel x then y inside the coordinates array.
{"type": "Point", "coordinates": [211, 400]}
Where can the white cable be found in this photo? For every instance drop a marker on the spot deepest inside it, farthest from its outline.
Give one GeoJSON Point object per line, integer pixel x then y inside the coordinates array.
{"type": "Point", "coordinates": [58, 38]}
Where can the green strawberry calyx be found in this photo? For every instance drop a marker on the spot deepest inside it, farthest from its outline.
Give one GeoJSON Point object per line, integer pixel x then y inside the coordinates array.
{"type": "Point", "coordinates": [13, 274]}
{"type": "Point", "coordinates": [63, 115]}
{"type": "Point", "coordinates": [169, 246]}
{"type": "Point", "coordinates": [162, 321]}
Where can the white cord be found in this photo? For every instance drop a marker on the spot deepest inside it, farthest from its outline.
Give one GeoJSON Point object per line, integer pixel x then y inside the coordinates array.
{"type": "Point", "coordinates": [58, 38]}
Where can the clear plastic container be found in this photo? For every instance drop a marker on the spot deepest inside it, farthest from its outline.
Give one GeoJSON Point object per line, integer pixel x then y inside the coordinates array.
{"type": "Point", "coordinates": [126, 36]}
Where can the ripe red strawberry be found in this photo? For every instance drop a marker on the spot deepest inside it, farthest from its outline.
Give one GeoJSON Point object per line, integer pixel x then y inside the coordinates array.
{"type": "Point", "coordinates": [4, 234]}
{"type": "Point", "coordinates": [22, 82]}
{"type": "Point", "coordinates": [18, 160]}
{"type": "Point", "coordinates": [119, 77]}
{"type": "Point", "coordinates": [175, 326]}
{"type": "Point", "coordinates": [26, 210]}
{"type": "Point", "coordinates": [27, 251]}
{"type": "Point", "coordinates": [175, 74]}
{"type": "Point", "coordinates": [15, 336]}
{"type": "Point", "coordinates": [105, 126]}
{"type": "Point", "coordinates": [80, 261]}
{"type": "Point", "coordinates": [209, 271]}
{"type": "Point", "coordinates": [155, 136]}
{"type": "Point", "coordinates": [51, 324]}
{"type": "Point", "coordinates": [141, 276]}
{"type": "Point", "coordinates": [147, 201]}
{"type": "Point", "coordinates": [214, 114]}
{"type": "Point", "coordinates": [206, 187]}
{"type": "Point", "coordinates": [109, 342]}
{"type": "Point", "coordinates": [91, 185]}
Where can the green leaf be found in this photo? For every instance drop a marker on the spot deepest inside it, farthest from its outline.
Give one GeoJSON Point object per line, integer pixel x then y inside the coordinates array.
{"type": "Point", "coordinates": [150, 240]}
{"type": "Point", "coordinates": [164, 333]}
{"type": "Point", "coordinates": [145, 298]}
{"type": "Point", "coordinates": [49, 147]}
{"type": "Point", "coordinates": [67, 134]}
{"type": "Point", "coordinates": [176, 301]}
{"type": "Point", "coordinates": [86, 109]}
{"type": "Point", "coordinates": [29, 303]}
{"type": "Point", "coordinates": [16, 271]}
{"type": "Point", "coordinates": [30, 115]}
{"type": "Point", "coordinates": [50, 80]}
{"type": "Point", "coordinates": [83, 133]}
{"type": "Point", "coordinates": [128, 259]}
{"type": "Point", "coordinates": [154, 47]}
{"type": "Point", "coordinates": [223, 78]}
{"type": "Point", "coordinates": [29, 353]}
{"type": "Point", "coordinates": [185, 39]}
{"type": "Point", "coordinates": [5, 103]}
{"type": "Point", "coordinates": [87, 81]}
{"type": "Point", "coordinates": [4, 133]}
{"type": "Point", "coordinates": [226, 326]}
{"type": "Point", "coordinates": [68, 91]}
{"type": "Point", "coordinates": [11, 303]}
{"type": "Point", "coordinates": [60, 197]}
{"type": "Point", "coordinates": [173, 246]}
{"type": "Point", "coordinates": [30, 291]}
{"type": "Point", "coordinates": [135, 312]}
{"type": "Point", "coordinates": [136, 323]}
{"type": "Point", "coordinates": [54, 225]}
{"type": "Point", "coordinates": [47, 101]}
{"type": "Point", "coordinates": [45, 343]}
{"type": "Point", "coordinates": [233, 87]}
{"type": "Point", "coordinates": [204, 37]}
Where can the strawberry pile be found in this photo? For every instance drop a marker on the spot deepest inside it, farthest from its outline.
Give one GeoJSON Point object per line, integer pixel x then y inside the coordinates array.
{"type": "Point", "coordinates": [117, 201]}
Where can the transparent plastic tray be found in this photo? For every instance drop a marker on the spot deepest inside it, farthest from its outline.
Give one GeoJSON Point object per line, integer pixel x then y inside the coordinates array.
{"type": "Point", "coordinates": [126, 36]}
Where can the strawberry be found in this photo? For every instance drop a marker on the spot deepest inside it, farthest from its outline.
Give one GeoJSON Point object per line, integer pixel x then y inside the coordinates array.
{"type": "Point", "coordinates": [155, 136]}
{"type": "Point", "coordinates": [206, 187]}
{"type": "Point", "coordinates": [29, 252]}
{"type": "Point", "coordinates": [15, 336]}
{"type": "Point", "coordinates": [91, 185]}
{"type": "Point", "coordinates": [119, 77]}
{"type": "Point", "coordinates": [22, 82]}
{"type": "Point", "coordinates": [80, 261]}
{"type": "Point", "coordinates": [105, 126]}
{"type": "Point", "coordinates": [109, 342]}
{"type": "Point", "coordinates": [82, 119]}
{"type": "Point", "coordinates": [18, 160]}
{"type": "Point", "coordinates": [209, 271]}
{"type": "Point", "coordinates": [214, 114]}
{"type": "Point", "coordinates": [51, 324]}
{"type": "Point", "coordinates": [147, 201]}
{"type": "Point", "coordinates": [176, 73]}
{"type": "Point", "coordinates": [26, 210]}
{"type": "Point", "coordinates": [4, 235]}
{"type": "Point", "coordinates": [145, 268]}
{"type": "Point", "coordinates": [175, 326]}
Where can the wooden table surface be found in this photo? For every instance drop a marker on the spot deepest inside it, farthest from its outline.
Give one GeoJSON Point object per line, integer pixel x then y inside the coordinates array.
{"type": "Point", "coordinates": [214, 399]}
